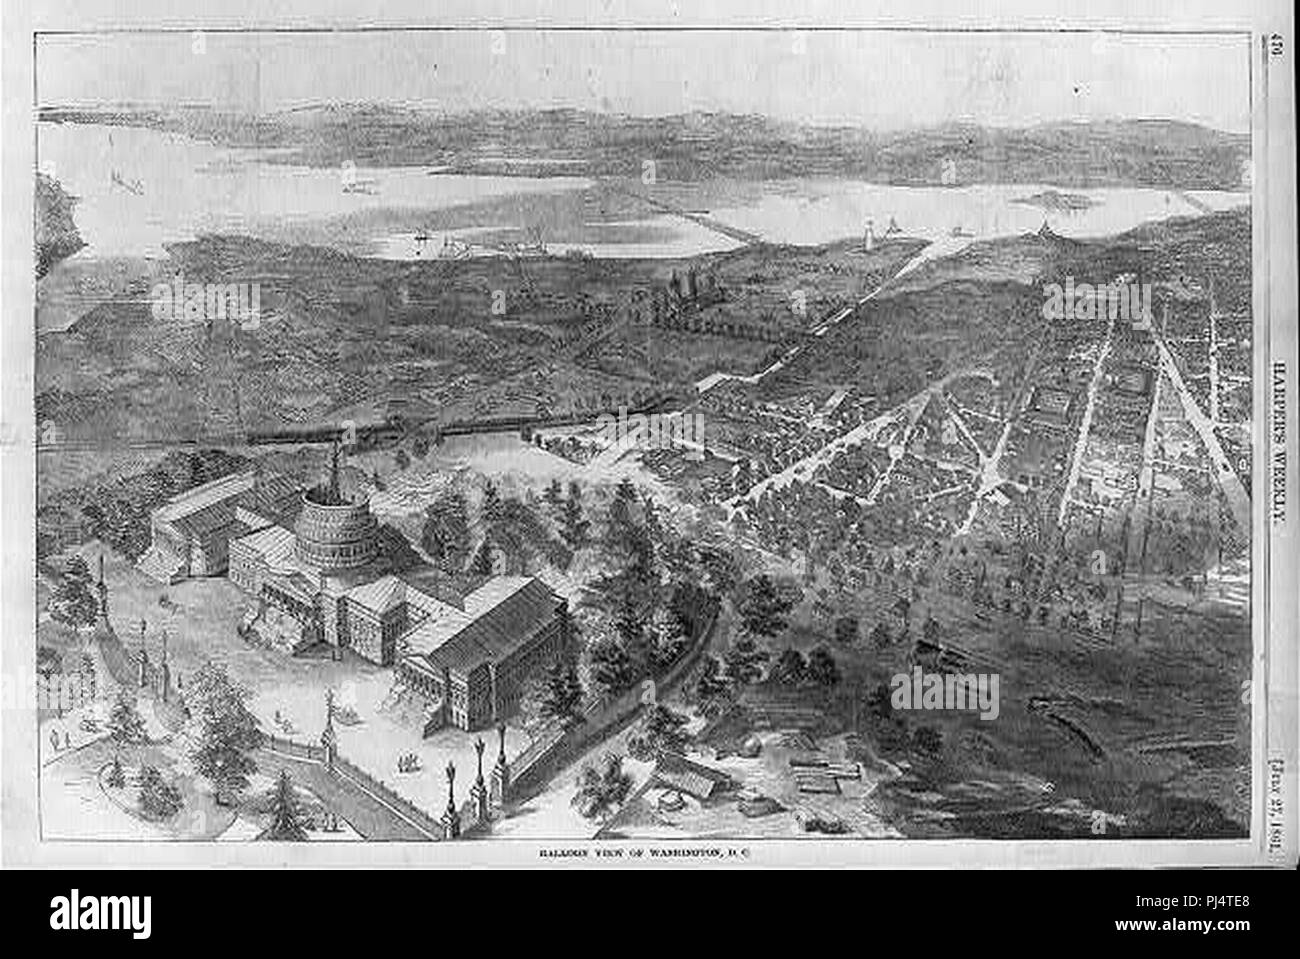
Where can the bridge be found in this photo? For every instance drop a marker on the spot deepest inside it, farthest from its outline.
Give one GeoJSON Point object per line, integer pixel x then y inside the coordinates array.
{"type": "Point", "coordinates": [702, 219]}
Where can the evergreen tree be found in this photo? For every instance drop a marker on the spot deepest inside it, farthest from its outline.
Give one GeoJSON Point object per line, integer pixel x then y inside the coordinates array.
{"type": "Point", "coordinates": [791, 668]}
{"type": "Point", "coordinates": [446, 534]}
{"type": "Point", "coordinates": [632, 636]}
{"type": "Point", "coordinates": [228, 732]}
{"type": "Point", "coordinates": [482, 562]}
{"type": "Point", "coordinates": [573, 527]}
{"type": "Point", "coordinates": [73, 602]}
{"type": "Point", "coordinates": [744, 661]}
{"type": "Point", "coordinates": [554, 497]}
{"type": "Point", "coordinates": [489, 510]}
{"type": "Point", "coordinates": [562, 694]}
{"type": "Point", "coordinates": [116, 777]}
{"type": "Point", "coordinates": [667, 638]}
{"type": "Point", "coordinates": [287, 824]}
{"type": "Point", "coordinates": [711, 687]}
{"type": "Point", "coordinates": [611, 669]}
{"type": "Point", "coordinates": [124, 723]}
{"type": "Point", "coordinates": [822, 668]}
{"type": "Point", "coordinates": [660, 730]}
{"type": "Point", "coordinates": [763, 609]}
{"type": "Point", "coordinates": [158, 798]}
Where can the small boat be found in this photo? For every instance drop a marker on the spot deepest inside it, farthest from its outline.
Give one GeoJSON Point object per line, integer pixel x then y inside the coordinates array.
{"type": "Point", "coordinates": [131, 186]}
{"type": "Point", "coordinates": [958, 231]}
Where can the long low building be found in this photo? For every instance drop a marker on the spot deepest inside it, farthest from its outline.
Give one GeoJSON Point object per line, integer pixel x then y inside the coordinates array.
{"type": "Point", "coordinates": [191, 532]}
{"type": "Point", "coordinates": [471, 664]}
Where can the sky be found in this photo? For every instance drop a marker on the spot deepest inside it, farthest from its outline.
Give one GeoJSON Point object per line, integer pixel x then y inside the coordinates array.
{"type": "Point", "coordinates": [880, 80]}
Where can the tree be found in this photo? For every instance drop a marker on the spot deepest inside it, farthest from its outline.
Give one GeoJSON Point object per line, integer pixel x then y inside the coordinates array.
{"type": "Point", "coordinates": [880, 703]}
{"type": "Point", "coordinates": [116, 777]}
{"type": "Point", "coordinates": [711, 688]}
{"type": "Point", "coordinates": [611, 669]}
{"type": "Point", "coordinates": [653, 527]}
{"type": "Point", "coordinates": [744, 661]}
{"type": "Point", "coordinates": [890, 729]}
{"type": "Point", "coordinates": [73, 602]}
{"type": "Point", "coordinates": [489, 509]}
{"type": "Point", "coordinates": [660, 730]}
{"type": "Point", "coordinates": [602, 788]}
{"type": "Point", "coordinates": [561, 693]}
{"type": "Point", "coordinates": [822, 668]}
{"type": "Point", "coordinates": [928, 740]}
{"type": "Point", "coordinates": [573, 527]}
{"type": "Point", "coordinates": [791, 668]}
{"type": "Point", "coordinates": [763, 609]}
{"type": "Point", "coordinates": [446, 534]}
{"type": "Point", "coordinates": [482, 564]}
{"type": "Point", "coordinates": [930, 631]}
{"type": "Point", "coordinates": [48, 662]}
{"type": "Point", "coordinates": [554, 497]}
{"type": "Point", "coordinates": [158, 798]}
{"type": "Point", "coordinates": [846, 630]}
{"type": "Point", "coordinates": [228, 732]}
{"type": "Point", "coordinates": [124, 723]}
{"type": "Point", "coordinates": [420, 446]}
{"type": "Point", "coordinates": [668, 638]}
{"type": "Point", "coordinates": [632, 636]}
{"type": "Point", "coordinates": [401, 459]}
{"type": "Point", "coordinates": [880, 637]}
{"type": "Point", "coordinates": [287, 824]}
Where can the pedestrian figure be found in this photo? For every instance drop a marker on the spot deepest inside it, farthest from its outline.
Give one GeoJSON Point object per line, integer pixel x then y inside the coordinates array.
{"type": "Point", "coordinates": [67, 740]}
{"type": "Point", "coordinates": [54, 739]}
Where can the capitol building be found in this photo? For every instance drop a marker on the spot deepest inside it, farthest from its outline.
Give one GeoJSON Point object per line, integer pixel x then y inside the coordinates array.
{"type": "Point", "coordinates": [314, 568]}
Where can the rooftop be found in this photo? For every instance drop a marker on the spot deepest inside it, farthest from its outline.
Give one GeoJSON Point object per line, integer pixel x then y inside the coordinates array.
{"type": "Point", "coordinates": [498, 617]}
{"type": "Point", "coordinates": [202, 497]}
{"type": "Point", "coordinates": [689, 777]}
{"type": "Point", "coordinates": [274, 544]}
{"type": "Point", "coordinates": [379, 596]}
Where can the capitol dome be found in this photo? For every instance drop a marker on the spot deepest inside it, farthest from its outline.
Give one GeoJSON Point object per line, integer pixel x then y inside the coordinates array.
{"type": "Point", "coordinates": [335, 533]}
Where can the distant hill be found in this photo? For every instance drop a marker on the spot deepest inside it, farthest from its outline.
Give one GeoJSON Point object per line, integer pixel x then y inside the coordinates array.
{"type": "Point", "coordinates": [697, 146]}
{"type": "Point", "coordinates": [1033, 258]}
